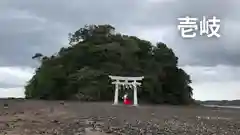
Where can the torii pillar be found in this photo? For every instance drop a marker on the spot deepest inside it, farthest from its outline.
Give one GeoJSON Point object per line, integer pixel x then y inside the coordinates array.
{"type": "Point", "coordinates": [116, 93]}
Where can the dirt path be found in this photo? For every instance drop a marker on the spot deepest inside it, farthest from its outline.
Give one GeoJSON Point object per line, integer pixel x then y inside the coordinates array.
{"type": "Point", "coordinates": [75, 118]}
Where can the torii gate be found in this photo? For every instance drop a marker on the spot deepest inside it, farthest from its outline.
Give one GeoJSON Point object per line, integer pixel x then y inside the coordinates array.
{"type": "Point", "coordinates": [127, 82]}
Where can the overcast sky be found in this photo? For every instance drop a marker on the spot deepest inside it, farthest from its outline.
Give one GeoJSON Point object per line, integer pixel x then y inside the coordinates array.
{"type": "Point", "coordinates": [30, 26]}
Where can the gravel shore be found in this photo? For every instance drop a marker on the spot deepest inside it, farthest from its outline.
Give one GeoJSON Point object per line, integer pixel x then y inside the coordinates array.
{"type": "Point", "coordinates": [27, 117]}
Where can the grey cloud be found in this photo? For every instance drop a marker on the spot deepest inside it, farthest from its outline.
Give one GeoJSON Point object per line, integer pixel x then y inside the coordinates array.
{"type": "Point", "coordinates": [206, 51]}
{"type": "Point", "coordinates": [22, 36]}
{"type": "Point", "coordinates": [4, 85]}
{"type": "Point", "coordinates": [202, 50]}
{"type": "Point", "coordinates": [77, 12]}
{"type": "Point", "coordinates": [42, 26]}
{"type": "Point", "coordinates": [201, 74]}
{"type": "Point", "coordinates": [166, 13]}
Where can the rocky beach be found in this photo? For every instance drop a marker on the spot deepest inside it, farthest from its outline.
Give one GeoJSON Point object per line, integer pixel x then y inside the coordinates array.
{"type": "Point", "coordinates": [29, 117]}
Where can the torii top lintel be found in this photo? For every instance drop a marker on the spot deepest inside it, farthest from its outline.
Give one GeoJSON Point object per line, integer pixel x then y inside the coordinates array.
{"type": "Point", "coordinates": [126, 78]}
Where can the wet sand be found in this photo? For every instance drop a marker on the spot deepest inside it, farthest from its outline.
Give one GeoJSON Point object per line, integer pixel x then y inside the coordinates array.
{"type": "Point", "coordinates": [28, 117]}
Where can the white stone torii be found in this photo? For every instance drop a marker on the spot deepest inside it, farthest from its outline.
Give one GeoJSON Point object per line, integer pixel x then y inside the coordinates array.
{"type": "Point", "coordinates": [126, 81]}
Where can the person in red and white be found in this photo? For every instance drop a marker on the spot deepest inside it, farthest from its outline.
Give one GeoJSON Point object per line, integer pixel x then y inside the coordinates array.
{"type": "Point", "coordinates": [126, 100]}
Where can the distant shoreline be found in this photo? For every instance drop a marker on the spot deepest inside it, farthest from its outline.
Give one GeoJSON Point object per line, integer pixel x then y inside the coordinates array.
{"type": "Point", "coordinates": [209, 104]}
{"type": "Point", "coordinates": [225, 106]}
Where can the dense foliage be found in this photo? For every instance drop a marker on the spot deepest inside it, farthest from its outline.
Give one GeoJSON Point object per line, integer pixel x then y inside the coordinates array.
{"type": "Point", "coordinates": [81, 70]}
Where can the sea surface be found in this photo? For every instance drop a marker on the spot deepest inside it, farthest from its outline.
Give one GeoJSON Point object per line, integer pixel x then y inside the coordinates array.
{"type": "Point", "coordinates": [231, 107]}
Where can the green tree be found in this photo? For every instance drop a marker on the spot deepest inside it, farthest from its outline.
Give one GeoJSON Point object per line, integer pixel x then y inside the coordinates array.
{"type": "Point", "coordinates": [81, 70]}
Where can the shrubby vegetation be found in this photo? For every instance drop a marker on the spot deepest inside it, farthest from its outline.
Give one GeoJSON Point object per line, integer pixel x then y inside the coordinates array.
{"type": "Point", "coordinates": [80, 71]}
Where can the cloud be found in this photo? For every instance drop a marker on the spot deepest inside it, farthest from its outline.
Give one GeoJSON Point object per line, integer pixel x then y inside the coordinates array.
{"type": "Point", "coordinates": [17, 92]}
{"type": "Point", "coordinates": [228, 90]}
{"type": "Point", "coordinates": [28, 27]}
{"type": "Point", "coordinates": [160, 1]}
{"type": "Point", "coordinates": [35, 26]}
{"type": "Point", "coordinates": [219, 73]}
{"type": "Point", "coordinates": [12, 80]}
{"type": "Point", "coordinates": [23, 34]}
{"type": "Point", "coordinates": [15, 75]}
{"type": "Point", "coordinates": [215, 83]}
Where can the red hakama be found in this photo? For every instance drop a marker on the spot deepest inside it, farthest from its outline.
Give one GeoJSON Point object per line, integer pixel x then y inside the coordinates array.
{"type": "Point", "coordinates": [127, 101]}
